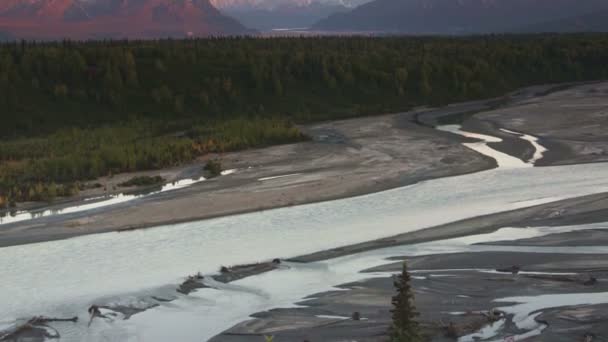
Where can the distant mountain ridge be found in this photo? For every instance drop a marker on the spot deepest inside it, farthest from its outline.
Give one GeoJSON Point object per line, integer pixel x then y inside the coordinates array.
{"type": "Point", "coordinates": [455, 16]}
{"type": "Point", "coordinates": [269, 14]}
{"type": "Point", "coordinates": [77, 19]}
{"type": "Point", "coordinates": [590, 22]}
{"type": "Point", "coordinates": [273, 4]}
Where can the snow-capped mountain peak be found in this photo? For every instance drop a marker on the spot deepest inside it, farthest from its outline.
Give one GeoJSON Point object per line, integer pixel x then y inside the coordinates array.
{"type": "Point", "coordinates": [271, 4]}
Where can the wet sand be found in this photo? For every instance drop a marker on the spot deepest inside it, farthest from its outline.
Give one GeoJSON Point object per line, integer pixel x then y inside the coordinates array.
{"type": "Point", "coordinates": [443, 285]}
{"type": "Point", "coordinates": [570, 122]}
{"type": "Point", "coordinates": [446, 294]}
{"type": "Point", "coordinates": [442, 297]}
{"type": "Point", "coordinates": [344, 159]}
{"type": "Point", "coordinates": [359, 156]}
{"type": "Point", "coordinates": [458, 288]}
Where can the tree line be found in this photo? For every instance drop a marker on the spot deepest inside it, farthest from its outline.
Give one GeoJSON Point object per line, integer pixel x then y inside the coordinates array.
{"type": "Point", "coordinates": [72, 111]}
{"type": "Point", "coordinates": [56, 165]}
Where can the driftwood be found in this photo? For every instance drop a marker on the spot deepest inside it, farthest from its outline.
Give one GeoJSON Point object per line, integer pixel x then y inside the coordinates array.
{"type": "Point", "coordinates": [229, 274]}
{"type": "Point", "coordinates": [588, 337]}
{"type": "Point", "coordinates": [587, 281]}
{"type": "Point", "coordinates": [35, 323]}
{"type": "Point", "coordinates": [191, 283]}
{"type": "Point", "coordinates": [494, 315]}
{"type": "Point", "coordinates": [94, 312]}
{"type": "Point", "coordinates": [455, 330]}
{"type": "Point", "coordinates": [590, 282]}
{"type": "Point", "coordinates": [513, 269]}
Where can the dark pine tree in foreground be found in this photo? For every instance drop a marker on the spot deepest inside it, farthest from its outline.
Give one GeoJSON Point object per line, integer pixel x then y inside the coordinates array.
{"type": "Point", "coordinates": [405, 328]}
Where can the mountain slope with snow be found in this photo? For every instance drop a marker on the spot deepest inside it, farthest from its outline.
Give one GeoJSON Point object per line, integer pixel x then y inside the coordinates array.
{"type": "Point", "coordinates": [77, 19]}
{"type": "Point", "coordinates": [271, 4]}
{"type": "Point", "coordinates": [269, 14]}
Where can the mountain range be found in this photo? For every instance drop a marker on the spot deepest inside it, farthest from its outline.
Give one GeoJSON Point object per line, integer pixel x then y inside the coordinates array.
{"type": "Point", "coordinates": [456, 16]}
{"type": "Point", "coordinates": [591, 22]}
{"type": "Point", "coordinates": [142, 19]}
{"type": "Point", "coordinates": [272, 14]}
{"type": "Point", "coordinates": [271, 4]}
{"type": "Point", "coordinates": [134, 19]}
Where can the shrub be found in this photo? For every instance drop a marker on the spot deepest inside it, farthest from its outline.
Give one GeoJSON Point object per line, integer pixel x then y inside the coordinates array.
{"type": "Point", "coordinates": [214, 167]}
{"type": "Point", "coordinates": [142, 181]}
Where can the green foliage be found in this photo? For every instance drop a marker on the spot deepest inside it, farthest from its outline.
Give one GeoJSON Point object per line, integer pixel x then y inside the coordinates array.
{"type": "Point", "coordinates": [49, 86]}
{"type": "Point", "coordinates": [214, 167]}
{"type": "Point", "coordinates": [404, 328]}
{"type": "Point", "coordinates": [42, 168]}
{"type": "Point", "coordinates": [74, 111]}
{"type": "Point", "coordinates": [143, 181]}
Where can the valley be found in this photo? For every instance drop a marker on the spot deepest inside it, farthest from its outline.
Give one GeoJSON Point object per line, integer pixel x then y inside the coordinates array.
{"type": "Point", "coordinates": [159, 19]}
{"type": "Point", "coordinates": [484, 207]}
{"type": "Point", "coordinates": [303, 170]}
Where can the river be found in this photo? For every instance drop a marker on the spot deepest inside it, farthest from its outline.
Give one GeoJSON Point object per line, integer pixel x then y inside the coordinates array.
{"type": "Point", "coordinates": [62, 278]}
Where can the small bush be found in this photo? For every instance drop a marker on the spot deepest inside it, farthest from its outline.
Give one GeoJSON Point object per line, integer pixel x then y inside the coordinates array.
{"type": "Point", "coordinates": [142, 181]}
{"type": "Point", "coordinates": [214, 167]}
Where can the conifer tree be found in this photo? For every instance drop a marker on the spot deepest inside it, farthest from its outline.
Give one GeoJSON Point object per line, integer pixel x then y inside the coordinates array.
{"type": "Point", "coordinates": [405, 328]}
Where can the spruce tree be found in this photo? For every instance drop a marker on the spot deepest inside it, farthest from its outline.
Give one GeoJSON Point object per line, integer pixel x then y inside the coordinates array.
{"type": "Point", "coordinates": [405, 328]}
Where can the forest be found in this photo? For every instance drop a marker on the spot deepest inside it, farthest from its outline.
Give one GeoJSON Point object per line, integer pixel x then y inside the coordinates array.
{"type": "Point", "coordinates": [74, 111]}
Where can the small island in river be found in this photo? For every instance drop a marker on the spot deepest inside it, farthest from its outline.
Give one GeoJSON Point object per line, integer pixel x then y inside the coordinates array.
{"type": "Point", "coordinates": [295, 226]}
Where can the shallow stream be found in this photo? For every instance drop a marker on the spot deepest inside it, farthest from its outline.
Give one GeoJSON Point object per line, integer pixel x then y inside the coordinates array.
{"type": "Point", "coordinates": [63, 278]}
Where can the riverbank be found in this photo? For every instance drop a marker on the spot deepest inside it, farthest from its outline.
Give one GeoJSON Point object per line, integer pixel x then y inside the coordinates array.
{"type": "Point", "coordinates": [459, 289]}
{"type": "Point", "coordinates": [458, 282]}
{"type": "Point", "coordinates": [345, 158]}
{"type": "Point", "coordinates": [402, 222]}
{"type": "Point", "coordinates": [450, 294]}
{"type": "Point", "coordinates": [569, 123]}
{"type": "Point", "coordinates": [450, 276]}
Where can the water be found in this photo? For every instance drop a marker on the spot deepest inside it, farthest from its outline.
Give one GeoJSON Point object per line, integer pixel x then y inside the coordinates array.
{"type": "Point", "coordinates": [207, 312]}
{"type": "Point", "coordinates": [502, 159]}
{"type": "Point", "coordinates": [76, 269]}
{"type": "Point", "coordinates": [62, 278]}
